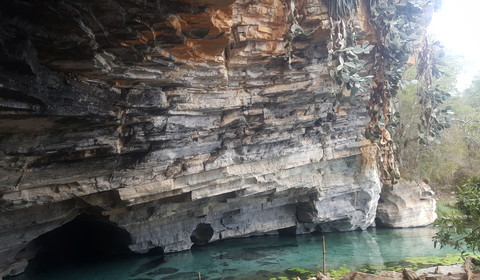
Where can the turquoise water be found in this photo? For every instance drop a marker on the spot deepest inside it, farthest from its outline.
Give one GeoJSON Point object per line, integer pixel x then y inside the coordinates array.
{"type": "Point", "coordinates": [256, 258]}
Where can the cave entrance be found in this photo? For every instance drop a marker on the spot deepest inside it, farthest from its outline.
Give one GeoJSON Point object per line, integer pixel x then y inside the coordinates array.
{"type": "Point", "coordinates": [201, 234]}
{"type": "Point", "coordinates": [86, 238]}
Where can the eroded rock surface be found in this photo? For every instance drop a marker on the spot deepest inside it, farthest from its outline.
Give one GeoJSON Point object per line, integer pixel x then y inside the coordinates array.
{"type": "Point", "coordinates": [406, 204]}
{"type": "Point", "coordinates": [168, 116]}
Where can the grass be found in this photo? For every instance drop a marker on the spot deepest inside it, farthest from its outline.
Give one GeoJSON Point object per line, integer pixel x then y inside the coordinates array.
{"type": "Point", "coordinates": [447, 208]}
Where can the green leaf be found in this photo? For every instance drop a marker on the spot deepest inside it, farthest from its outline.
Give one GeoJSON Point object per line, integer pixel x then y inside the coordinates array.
{"type": "Point", "coordinates": [358, 49]}
{"type": "Point", "coordinates": [368, 49]}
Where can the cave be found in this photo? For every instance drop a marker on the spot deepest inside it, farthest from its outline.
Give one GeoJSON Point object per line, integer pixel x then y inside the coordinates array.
{"type": "Point", "coordinates": [201, 234]}
{"type": "Point", "coordinates": [84, 239]}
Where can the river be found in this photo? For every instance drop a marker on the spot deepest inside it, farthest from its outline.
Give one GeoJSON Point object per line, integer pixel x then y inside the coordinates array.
{"type": "Point", "coordinates": [254, 258]}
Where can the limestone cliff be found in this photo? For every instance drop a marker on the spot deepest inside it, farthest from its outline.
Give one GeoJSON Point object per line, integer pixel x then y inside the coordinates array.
{"type": "Point", "coordinates": [181, 122]}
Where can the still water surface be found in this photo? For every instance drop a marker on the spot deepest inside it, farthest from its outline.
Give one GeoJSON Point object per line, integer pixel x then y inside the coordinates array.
{"type": "Point", "coordinates": [255, 258]}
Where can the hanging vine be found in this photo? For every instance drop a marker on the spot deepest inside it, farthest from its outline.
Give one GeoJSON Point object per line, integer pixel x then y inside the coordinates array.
{"type": "Point", "coordinates": [294, 31]}
{"type": "Point", "coordinates": [433, 119]}
{"type": "Point", "coordinates": [344, 52]}
{"type": "Point", "coordinates": [399, 25]}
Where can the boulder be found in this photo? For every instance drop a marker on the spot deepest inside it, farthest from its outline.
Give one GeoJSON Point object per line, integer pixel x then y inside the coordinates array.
{"type": "Point", "coordinates": [406, 204]}
{"type": "Point", "coordinates": [409, 275]}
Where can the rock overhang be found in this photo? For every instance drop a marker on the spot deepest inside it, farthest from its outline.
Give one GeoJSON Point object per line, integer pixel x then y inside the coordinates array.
{"type": "Point", "coordinates": [167, 115]}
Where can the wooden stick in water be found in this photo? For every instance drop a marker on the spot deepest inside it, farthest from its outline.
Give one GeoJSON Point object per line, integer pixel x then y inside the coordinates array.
{"type": "Point", "coordinates": [324, 254]}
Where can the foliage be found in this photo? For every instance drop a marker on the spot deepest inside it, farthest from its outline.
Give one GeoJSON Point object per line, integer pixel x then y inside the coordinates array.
{"type": "Point", "coordinates": [420, 262]}
{"type": "Point", "coordinates": [457, 154]}
{"type": "Point", "coordinates": [447, 209]}
{"type": "Point", "coordinates": [472, 95]}
{"type": "Point", "coordinates": [398, 25]}
{"type": "Point", "coordinates": [339, 272]}
{"type": "Point", "coordinates": [344, 52]}
{"type": "Point", "coordinates": [463, 231]}
{"type": "Point", "coordinates": [345, 49]}
{"type": "Point", "coordinates": [433, 118]}
{"type": "Point", "coordinates": [414, 263]}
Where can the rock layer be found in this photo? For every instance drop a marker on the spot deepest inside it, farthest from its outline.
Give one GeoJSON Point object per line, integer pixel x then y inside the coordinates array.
{"type": "Point", "coordinates": [182, 122]}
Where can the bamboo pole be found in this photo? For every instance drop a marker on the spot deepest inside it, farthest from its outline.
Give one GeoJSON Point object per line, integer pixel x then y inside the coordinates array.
{"type": "Point", "coordinates": [324, 255]}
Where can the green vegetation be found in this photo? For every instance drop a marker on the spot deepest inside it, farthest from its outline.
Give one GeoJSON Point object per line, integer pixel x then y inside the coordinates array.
{"type": "Point", "coordinates": [413, 263]}
{"type": "Point", "coordinates": [299, 272]}
{"type": "Point", "coordinates": [449, 156]}
{"type": "Point", "coordinates": [463, 231]}
{"type": "Point", "coordinates": [339, 272]}
{"type": "Point", "coordinates": [446, 158]}
{"type": "Point", "coordinates": [447, 208]}
{"type": "Point", "coordinates": [421, 262]}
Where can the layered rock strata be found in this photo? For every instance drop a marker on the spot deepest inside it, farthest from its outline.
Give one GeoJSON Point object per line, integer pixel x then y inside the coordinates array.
{"type": "Point", "coordinates": [182, 122]}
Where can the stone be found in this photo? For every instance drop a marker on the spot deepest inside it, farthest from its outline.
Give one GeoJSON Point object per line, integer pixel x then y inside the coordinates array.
{"type": "Point", "coordinates": [450, 269]}
{"type": "Point", "coordinates": [320, 276]}
{"type": "Point", "coordinates": [450, 272]}
{"type": "Point", "coordinates": [409, 274]}
{"type": "Point", "coordinates": [365, 276]}
{"type": "Point", "coordinates": [436, 277]}
{"type": "Point", "coordinates": [391, 274]}
{"type": "Point", "coordinates": [406, 204]}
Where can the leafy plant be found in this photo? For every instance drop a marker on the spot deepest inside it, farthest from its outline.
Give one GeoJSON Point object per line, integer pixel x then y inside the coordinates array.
{"type": "Point", "coordinates": [339, 272]}
{"type": "Point", "coordinates": [463, 231]}
{"type": "Point", "coordinates": [344, 51]}
{"type": "Point", "coordinates": [447, 160]}
{"type": "Point", "coordinates": [398, 24]}
{"type": "Point", "coordinates": [348, 66]}
{"type": "Point", "coordinates": [433, 119]}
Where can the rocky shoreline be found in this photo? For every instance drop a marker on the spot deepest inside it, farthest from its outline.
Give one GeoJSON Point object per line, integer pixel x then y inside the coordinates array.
{"type": "Point", "coordinates": [450, 272]}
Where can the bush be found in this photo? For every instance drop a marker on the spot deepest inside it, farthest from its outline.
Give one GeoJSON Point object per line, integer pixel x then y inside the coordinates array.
{"type": "Point", "coordinates": [463, 231]}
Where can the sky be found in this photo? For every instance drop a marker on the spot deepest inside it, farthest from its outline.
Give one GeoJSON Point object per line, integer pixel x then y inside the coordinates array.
{"type": "Point", "coordinates": [457, 25]}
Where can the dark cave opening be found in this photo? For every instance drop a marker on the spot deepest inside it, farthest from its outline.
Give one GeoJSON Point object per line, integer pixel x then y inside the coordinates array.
{"type": "Point", "coordinates": [202, 234]}
{"type": "Point", "coordinates": [84, 239]}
